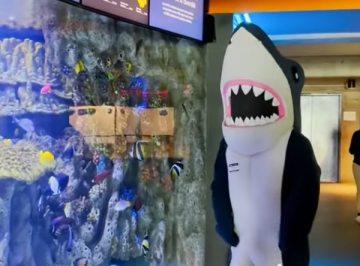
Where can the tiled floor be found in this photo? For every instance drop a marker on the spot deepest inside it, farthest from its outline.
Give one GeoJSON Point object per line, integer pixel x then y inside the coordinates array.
{"type": "Point", "coordinates": [335, 239]}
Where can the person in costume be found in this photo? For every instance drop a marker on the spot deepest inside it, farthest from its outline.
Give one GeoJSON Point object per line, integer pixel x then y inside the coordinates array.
{"type": "Point", "coordinates": [266, 183]}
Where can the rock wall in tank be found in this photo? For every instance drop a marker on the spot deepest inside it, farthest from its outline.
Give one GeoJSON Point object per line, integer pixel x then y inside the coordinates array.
{"type": "Point", "coordinates": [102, 141]}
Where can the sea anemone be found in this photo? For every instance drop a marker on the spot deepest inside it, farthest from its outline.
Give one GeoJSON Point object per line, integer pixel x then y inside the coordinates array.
{"type": "Point", "coordinates": [21, 161]}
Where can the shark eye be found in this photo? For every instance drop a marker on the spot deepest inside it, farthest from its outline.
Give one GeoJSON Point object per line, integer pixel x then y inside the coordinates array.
{"type": "Point", "coordinates": [295, 74]}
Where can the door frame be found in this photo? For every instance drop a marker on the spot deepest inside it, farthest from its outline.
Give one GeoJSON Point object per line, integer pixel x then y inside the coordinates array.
{"type": "Point", "coordinates": [339, 129]}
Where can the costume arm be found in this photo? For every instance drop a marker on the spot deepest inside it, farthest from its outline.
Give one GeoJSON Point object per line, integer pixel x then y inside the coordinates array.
{"type": "Point", "coordinates": [303, 196]}
{"type": "Point", "coordinates": [221, 199]}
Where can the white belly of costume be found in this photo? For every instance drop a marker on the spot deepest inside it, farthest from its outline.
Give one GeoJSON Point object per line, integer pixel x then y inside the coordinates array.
{"type": "Point", "coordinates": [255, 184]}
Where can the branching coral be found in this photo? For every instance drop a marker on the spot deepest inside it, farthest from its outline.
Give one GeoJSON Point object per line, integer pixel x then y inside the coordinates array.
{"type": "Point", "coordinates": [21, 162]}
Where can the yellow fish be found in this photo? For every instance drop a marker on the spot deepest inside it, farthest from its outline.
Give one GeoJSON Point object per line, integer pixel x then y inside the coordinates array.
{"type": "Point", "coordinates": [46, 158]}
{"type": "Point", "coordinates": [67, 209]}
{"type": "Point", "coordinates": [79, 67]}
{"type": "Point", "coordinates": [108, 62]}
{"type": "Point", "coordinates": [7, 142]}
{"type": "Point", "coordinates": [142, 3]}
{"type": "Point", "coordinates": [128, 66]}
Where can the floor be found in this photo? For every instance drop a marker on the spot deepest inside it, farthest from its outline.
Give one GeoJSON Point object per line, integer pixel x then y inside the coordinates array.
{"type": "Point", "coordinates": [335, 238]}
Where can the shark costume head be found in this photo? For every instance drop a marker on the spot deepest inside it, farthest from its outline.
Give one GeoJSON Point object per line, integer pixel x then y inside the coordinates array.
{"type": "Point", "coordinates": [266, 179]}
{"type": "Point", "coordinates": [260, 91]}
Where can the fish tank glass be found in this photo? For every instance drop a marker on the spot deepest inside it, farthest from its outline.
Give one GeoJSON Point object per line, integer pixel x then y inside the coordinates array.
{"type": "Point", "coordinates": [102, 141]}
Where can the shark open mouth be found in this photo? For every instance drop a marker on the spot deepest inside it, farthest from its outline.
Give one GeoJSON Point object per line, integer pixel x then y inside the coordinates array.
{"type": "Point", "coordinates": [250, 103]}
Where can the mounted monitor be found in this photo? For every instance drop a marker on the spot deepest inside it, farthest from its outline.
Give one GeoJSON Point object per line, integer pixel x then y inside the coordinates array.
{"type": "Point", "coordinates": [184, 17]}
{"type": "Point", "coordinates": [134, 10]}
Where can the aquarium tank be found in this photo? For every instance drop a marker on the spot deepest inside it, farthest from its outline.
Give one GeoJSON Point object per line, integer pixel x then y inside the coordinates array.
{"type": "Point", "coordinates": [102, 141]}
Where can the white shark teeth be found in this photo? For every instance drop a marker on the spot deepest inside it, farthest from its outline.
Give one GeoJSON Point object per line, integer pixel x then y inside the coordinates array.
{"type": "Point", "coordinates": [251, 121]}
{"type": "Point", "coordinates": [245, 89]}
{"type": "Point", "coordinates": [275, 102]}
{"type": "Point", "coordinates": [256, 90]}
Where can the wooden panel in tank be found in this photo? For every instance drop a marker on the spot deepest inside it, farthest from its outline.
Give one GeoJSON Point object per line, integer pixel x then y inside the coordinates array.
{"type": "Point", "coordinates": [93, 120]}
{"type": "Point", "coordinates": [157, 121]}
{"type": "Point", "coordinates": [127, 120]}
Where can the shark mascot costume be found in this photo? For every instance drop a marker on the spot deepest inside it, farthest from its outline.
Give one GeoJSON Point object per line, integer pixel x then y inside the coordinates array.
{"type": "Point", "coordinates": [266, 183]}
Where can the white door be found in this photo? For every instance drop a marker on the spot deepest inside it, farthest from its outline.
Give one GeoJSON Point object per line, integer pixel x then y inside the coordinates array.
{"type": "Point", "coordinates": [320, 116]}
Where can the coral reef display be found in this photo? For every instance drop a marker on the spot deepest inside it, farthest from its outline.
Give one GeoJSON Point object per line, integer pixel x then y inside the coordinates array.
{"type": "Point", "coordinates": [102, 141]}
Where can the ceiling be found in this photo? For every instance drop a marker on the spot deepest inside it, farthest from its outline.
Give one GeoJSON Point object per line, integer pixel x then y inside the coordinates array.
{"type": "Point", "coordinates": [231, 6]}
{"type": "Point", "coordinates": [304, 27]}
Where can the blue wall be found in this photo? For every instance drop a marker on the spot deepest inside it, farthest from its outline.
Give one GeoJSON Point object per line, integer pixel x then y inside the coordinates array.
{"type": "Point", "coordinates": [340, 25]}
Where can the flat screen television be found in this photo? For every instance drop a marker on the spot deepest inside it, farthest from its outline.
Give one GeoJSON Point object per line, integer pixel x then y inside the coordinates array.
{"type": "Point", "coordinates": [183, 17]}
{"type": "Point", "coordinates": [133, 10]}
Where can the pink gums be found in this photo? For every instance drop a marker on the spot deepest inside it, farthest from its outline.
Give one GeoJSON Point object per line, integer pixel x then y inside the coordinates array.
{"type": "Point", "coordinates": [253, 84]}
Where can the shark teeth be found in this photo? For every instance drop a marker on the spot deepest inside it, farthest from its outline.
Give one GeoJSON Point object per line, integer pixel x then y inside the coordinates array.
{"type": "Point", "coordinates": [257, 92]}
{"type": "Point", "coordinates": [251, 121]}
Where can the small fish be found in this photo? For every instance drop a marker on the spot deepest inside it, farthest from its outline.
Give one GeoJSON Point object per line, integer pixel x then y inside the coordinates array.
{"type": "Point", "coordinates": [145, 245]}
{"type": "Point", "coordinates": [46, 89]}
{"type": "Point", "coordinates": [80, 262]}
{"type": "Point", "coordinates": [7, 142]}
{"type": "Point", "coordinates": [102, 176]}
{"type": "Point", "coordinates": [137, 151]}
{"type": "Point", "coordinates": [16, 132]}
{"type": "Point", "coordinates": [110, 76]}
{"type": "Point", "coordinates": [176, 168]}
{"type": "Point", "coordinates": [128, 66]}
{"type": "Point", "coordinates": [67, 209]}
{"type": "Point", "coordinates": [108, 62]}
{"type": "Point", "coordinates": [46, 158]}
{"type": "Point", "coordinates": [25, 124]}
{"type": "Point", "coordinates": [79, 67]}
{"type": "Point", "coordinates": [122, 205]}
{"type": "Point", "coordinates": [58, 183]}
{"type": "Point", "coordinates": [68, 152]}
{"type": "Point", "coordinates": [60, 223]}
{"type": "Point", "coordinates": [70, 239]}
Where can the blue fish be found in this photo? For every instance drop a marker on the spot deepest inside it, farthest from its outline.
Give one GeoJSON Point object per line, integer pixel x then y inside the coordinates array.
{"type": "Point", "coordinates": [58, 183]}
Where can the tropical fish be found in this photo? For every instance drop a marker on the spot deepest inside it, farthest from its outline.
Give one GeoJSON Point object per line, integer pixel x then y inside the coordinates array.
{"type": "Point", "coordinates": [70, 239]}
{"type": "Point", "coordinates": [67, 209]}
{"type": "Point", "coordinates": [128, 66]}
{"type": "Point", "coordinates": [25, 124]}
{"type": "Point", "coordinates": [7, 142]}
{"type": "Point", "coordinates": [122, 205]}
{"type": "Point", "coordinates": [176, 168]}
{"type": "Point", "coordinates": [145, 245]}
{"type": "Point", "coordinates": [60, 223]}
{"type": "Point", "coordinates": [79, 67]}
{"type": "Point", "coordinates": [58, 183]}
{"type": "Point", "coordinates": [108, 62]}
{"type": "Point", "coordinates": [46, 158]}
{"type": "Point", "coordinates": [16, 132]}
{"type": "Point", "coordinates": [101, 176]}
{"type": "Point", "coordinates": [137, 151]}
{"type": "Point", "coordinates": [80, 262]}
{"type": "Point", "coordinates": [68, 152]}
{"type": "Point", "coordinates": [46, 89]}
